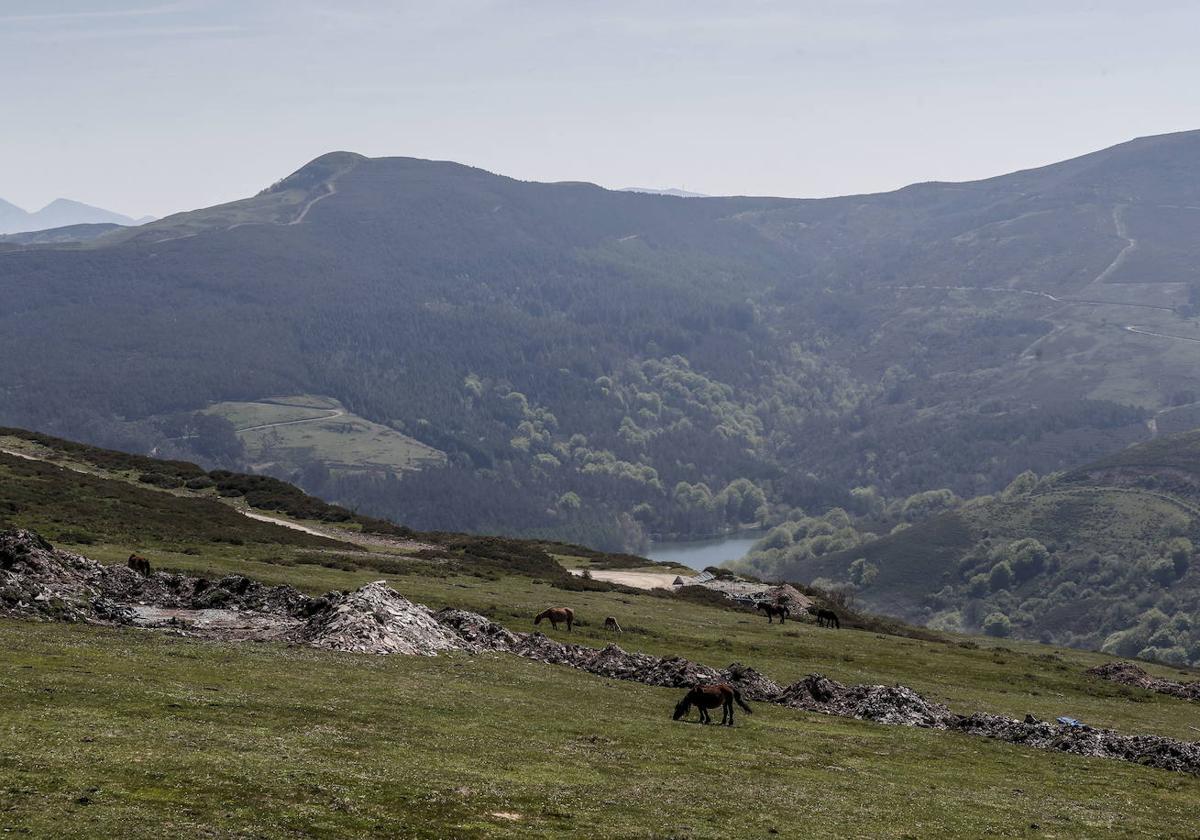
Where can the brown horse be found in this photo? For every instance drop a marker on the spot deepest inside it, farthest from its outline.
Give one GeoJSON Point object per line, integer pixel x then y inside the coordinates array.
{"type": "Point", "coordinates": [555, 615]}
{"type": "Point", "coordinates": [610, 623]}
{"type": "Point", "coordinates": [773, 610]}
{"type": "Point", "coordinates": [705, 697]}
{"type": "Point", "coordinates": [826, 618]}
{"type": "Point", "coordinates": [139, 564]}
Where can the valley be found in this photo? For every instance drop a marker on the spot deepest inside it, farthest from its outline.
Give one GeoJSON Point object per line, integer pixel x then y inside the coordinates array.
{"type": "Point", "coordinates": [283, 739]}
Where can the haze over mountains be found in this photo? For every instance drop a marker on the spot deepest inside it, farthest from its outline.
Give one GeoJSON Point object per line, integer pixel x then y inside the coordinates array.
{"type": "Point", "coordinates": [59, 213]}
{"type": "Point", "coordinates": [602, 365]}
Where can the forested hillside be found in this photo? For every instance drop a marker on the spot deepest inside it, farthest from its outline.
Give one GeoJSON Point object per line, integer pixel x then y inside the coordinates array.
{"type": "Point", "coordinates": [1101, 557]}
{"type": "Point", "coordinates": [600, 366]}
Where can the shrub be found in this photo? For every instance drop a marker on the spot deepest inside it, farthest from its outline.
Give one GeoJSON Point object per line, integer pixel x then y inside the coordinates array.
{"type": "Point", "coordinates": [200, 482]}
{"type": "Point", "coordinates": [997, 624]}
{"type": "Point", "coordinates": [1001, 576]}
{"type": "Point", "coordinates": [156, 479]}
{"type": "Point", "coordinates": [977, 587]}
{"type": "Point", "coordinates": [862, 572]}
{"type": "Point", "coordinates": [1028, 557]}
{"type": "Point", "coordinates": [1163, 571]}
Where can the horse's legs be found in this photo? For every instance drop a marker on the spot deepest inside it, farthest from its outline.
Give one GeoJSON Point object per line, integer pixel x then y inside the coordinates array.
{"type": "Point", "coordinates": [727, 712]}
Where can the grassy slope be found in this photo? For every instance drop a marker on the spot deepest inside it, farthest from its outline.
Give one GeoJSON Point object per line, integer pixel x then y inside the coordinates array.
{"type": "Point", "coordinates": [125, 733]}
{"type": "Point", "coordinates": [266, 740]}
{"type": "Point", "coordinates": [344, 442]}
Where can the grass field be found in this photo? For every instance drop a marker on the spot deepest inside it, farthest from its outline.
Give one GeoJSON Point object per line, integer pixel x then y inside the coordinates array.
{"type": "Point", "coordinates": [131, 733]}
{"type": "Point", "coordinates": [293, 431]}
{"type": "Point", "coordinates": [136, 734]}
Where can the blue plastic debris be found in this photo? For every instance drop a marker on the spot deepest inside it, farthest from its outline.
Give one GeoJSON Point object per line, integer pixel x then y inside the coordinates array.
{"type": "Point", "coordinates": [1070, 721]}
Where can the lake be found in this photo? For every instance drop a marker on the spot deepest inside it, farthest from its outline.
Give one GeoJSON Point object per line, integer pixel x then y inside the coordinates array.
{"type": "Point", "coordinates": [701, 553]}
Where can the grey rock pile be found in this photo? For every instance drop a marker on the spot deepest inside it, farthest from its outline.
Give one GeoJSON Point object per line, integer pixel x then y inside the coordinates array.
{"type": "Point", "coordinates": [1126, 673]}
{"type": "Point", "coordinates": [1149, 750]}
{"type": "Point", "coordinates": [38, 581]}
{"type": "Point", "coordinates": [896, 705]}
{"type": "Point", "coordinates": [377, 619]}
{"type": "Point", "coordinates": [752, 684]}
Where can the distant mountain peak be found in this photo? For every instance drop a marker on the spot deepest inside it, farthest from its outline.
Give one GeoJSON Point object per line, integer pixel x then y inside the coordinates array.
{"type": "Point", "coordinates": [61, 212]}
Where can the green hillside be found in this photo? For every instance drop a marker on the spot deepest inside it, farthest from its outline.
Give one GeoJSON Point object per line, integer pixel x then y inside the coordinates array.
{"type": "Point", "coordinates": [124, 731]}
{"type": "Point", "coordinates": [1102, 556]}
{"type": "Point", "coordinates": [571, 349]}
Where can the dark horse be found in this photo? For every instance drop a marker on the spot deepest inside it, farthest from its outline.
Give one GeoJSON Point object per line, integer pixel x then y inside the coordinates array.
{"type": "Point", "coordinates": [555, 615]}
{"type": "Point", "coordinates": [773, 610]}
{"type": "Point", "coordinates": [826, 618]}
{"type": "Point", "coordinates": [139, 564]}
{"type": "Point", "coordinates": [705, 697]}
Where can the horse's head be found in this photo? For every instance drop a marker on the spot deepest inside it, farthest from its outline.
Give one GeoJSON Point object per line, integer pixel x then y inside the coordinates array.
{"type": "Point", "coordinates": [537, 619]}
{"type": "Point", "coordinates": [681, 708]}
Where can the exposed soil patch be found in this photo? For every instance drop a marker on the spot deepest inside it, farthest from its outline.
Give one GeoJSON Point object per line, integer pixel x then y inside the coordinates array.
{"type": "Point", "coordinates": [1126, 673]}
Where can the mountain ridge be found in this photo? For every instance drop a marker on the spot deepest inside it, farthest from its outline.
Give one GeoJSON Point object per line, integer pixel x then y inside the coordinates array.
{"type": "Point", "coordinates": [581, 344]}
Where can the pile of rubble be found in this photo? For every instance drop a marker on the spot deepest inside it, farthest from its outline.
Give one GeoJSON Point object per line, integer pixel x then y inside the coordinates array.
{"type": "Point", "coordinates": [478, 632]}
{"type": "Point", "coordinates": [377, 619]}
{"type": "Point", "coordinates": [789, 596]}
{"type": "Point", "coordinates": [897, 705]}
{"type": "Point", "coordinates": [37, 581]}
{"type": "Point", "coordinates": [1127, 673]}
{"type": "Point", "coordinates": [40, 581]}
{"type": "Point", "coordinates": [1148, 750]}
{"type": "Point", "coordinates": [901, 706]}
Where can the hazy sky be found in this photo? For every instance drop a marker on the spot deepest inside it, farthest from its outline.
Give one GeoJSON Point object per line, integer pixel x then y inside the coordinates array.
{"type": "Point", "coordinates": [149, 107]}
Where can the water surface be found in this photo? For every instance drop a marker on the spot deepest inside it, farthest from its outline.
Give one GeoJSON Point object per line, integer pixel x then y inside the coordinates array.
{"type": "Point", "coordinates": [701, 553]}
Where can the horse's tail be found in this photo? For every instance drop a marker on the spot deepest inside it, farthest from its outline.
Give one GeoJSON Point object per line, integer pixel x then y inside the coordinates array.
{"type": "Point", "coordinates": [737, 695]}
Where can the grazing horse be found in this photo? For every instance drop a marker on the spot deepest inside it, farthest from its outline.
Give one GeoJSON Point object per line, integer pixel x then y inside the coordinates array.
{"type": "Point", "coordinates": [705, 697]}
{"type": "Point", "coordinates": [555, 615]}
{"type": "Point", "coordinates": [773, 610]}
{"type": "Point", "coordinates": [610, 623]}
{"type": "Point", "coordinates": [139, 564]}
{"type": "Point", "coordinates": [826, 618]}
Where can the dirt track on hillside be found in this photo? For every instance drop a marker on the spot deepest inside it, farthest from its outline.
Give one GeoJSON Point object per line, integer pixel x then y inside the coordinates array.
{"type": "Point", "coordinates": [637, 580]}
